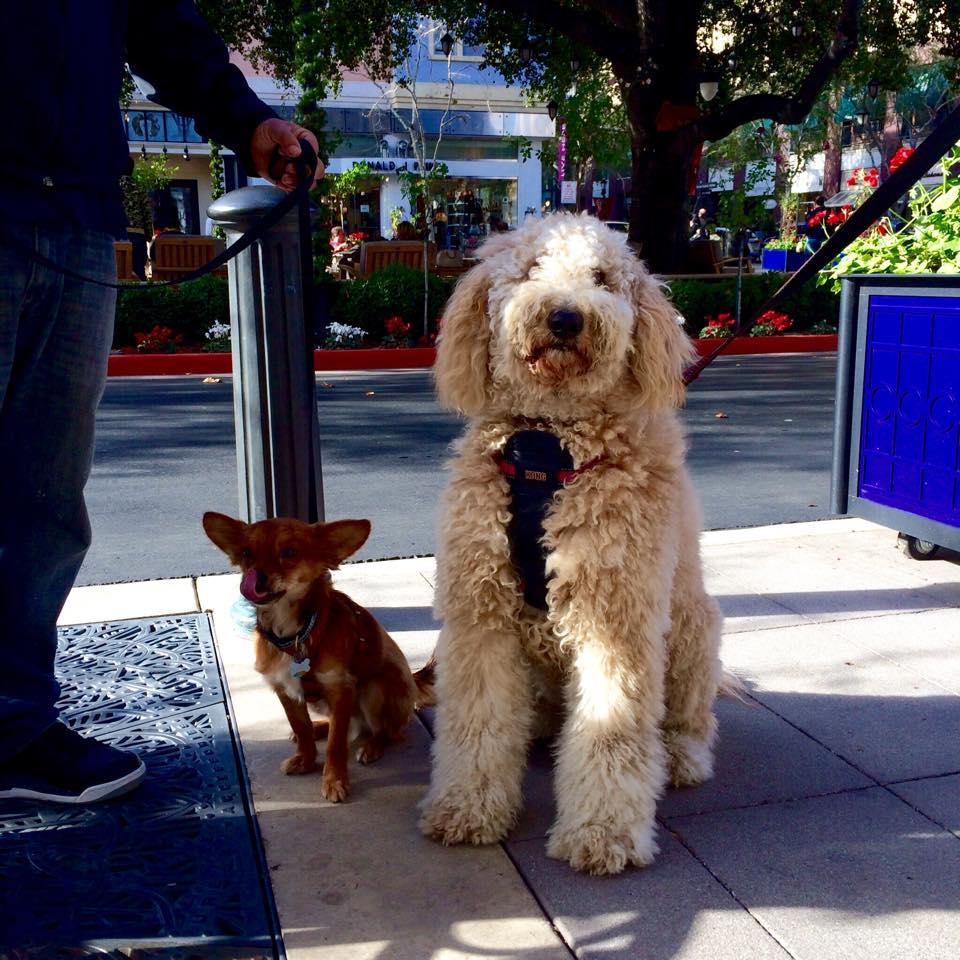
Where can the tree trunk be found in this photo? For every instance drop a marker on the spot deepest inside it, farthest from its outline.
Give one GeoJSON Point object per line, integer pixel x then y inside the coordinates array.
{"type": "Point", "coordinates": [662, 167]}
{"type": "Point", "coordinates": [659, 206]}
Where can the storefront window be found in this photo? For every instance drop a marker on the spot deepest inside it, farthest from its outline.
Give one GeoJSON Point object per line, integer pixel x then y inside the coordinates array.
{"type": "Point", "coordinates": [156, 126]}
{"type": "Point", "coordinates": [358, 213]}
{"type": "Point", "coordinates": [465, 210]}
{"type": "Point", "coordinates": [144, 125]}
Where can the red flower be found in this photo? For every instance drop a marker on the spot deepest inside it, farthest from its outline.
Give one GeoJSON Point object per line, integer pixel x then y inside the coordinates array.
{"type": "Point", "coordinates": [779, 322]}
{"type": "Point", "coordinates": [833, 219]}
{"type": "Point", "coordinates": [395, 326]}
{"type": "Point", "coordinates": [817, 219]}
{"type": "Point", "coordinates": [158, 340]}
{"type": "Point", "coordinates": [900, 157]}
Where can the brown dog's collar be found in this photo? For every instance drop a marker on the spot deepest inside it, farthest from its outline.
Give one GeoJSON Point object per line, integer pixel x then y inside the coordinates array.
{"type": "Point", "coordinates": [296, 641]}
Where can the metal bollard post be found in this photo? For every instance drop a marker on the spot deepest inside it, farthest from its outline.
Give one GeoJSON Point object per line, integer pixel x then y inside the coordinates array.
{"type": "Point", "coordinates": [274, 393]}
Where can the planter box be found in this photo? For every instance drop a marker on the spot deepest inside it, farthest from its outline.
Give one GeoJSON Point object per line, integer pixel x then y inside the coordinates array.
{"type": "Point", "coordinates": [406, 358]}
{"type": "Point", "coordinates": [785, 260]}
{"type": "Point", "coordinates": [896, 455]}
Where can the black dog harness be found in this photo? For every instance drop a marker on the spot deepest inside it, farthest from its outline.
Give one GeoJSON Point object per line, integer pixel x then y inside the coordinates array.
{"type": "Point", "coordinates": [536, 466]}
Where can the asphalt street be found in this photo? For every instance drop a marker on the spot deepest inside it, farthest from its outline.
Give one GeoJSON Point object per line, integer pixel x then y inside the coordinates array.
{"type": "Point", "coordinates": [760, 430]}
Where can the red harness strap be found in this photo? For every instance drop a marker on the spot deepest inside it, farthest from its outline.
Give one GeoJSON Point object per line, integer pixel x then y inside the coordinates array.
{"type": "Point", "coordinates": [563, 477]}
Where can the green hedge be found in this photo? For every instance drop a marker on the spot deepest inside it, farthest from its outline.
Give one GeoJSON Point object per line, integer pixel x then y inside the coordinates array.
{"type": "Point", "coordinates": [394, 291]}
{"type": "Point", "coordinates": [698, 299]}
{"type": "Point", "coordinates": [188, 309]}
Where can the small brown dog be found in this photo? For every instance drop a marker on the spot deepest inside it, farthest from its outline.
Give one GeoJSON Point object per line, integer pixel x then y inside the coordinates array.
{"type": "Point", "coordinates": [313, 643]}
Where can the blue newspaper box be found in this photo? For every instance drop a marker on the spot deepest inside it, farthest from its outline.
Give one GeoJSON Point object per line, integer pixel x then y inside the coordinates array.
{"type": "Point", "coordinates": [896, 454]}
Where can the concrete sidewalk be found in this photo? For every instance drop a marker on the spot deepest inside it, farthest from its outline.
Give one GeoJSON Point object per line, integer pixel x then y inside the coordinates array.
{"type": "Point", "coordinates": [831, 829]}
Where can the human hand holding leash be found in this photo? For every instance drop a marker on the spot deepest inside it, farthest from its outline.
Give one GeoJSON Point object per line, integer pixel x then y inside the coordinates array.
{"type": "Point", "coordinates": [274, 144]}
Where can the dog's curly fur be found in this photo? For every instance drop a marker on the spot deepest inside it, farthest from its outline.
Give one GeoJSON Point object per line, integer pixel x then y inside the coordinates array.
{"type": "Point", "coordinates": [627, 652]}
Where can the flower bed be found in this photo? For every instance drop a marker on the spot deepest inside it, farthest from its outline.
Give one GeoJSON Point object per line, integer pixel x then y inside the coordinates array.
{"type": "Point", "coordinates": [411, 358]}
{"type": "Point", "coordinates": [194, 318]}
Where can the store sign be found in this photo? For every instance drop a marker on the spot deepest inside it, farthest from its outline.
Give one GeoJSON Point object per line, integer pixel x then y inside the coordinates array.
{"type": "Point", "coordinates": [393, 166]}
{"type": "Point", "coordinates": [568, 191]}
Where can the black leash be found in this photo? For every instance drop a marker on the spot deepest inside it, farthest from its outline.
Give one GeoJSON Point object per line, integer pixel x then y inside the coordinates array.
{"type": "Point", "coordinates": [898, 183]}
{"type": "Point", "coordinates": [305, 165]}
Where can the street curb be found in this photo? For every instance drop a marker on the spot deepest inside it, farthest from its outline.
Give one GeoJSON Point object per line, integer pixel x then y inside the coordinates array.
{"type": "Point", "coordinates": [412, 358]}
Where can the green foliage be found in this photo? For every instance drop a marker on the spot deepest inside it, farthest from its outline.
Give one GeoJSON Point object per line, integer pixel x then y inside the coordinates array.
{"type": "Point", "coordinates": [596, 123]}
{"type": "Point", "coordinates": [928, 242]}
{"type": "Point", "coordinates": [217, 187]}
{"type": "Point", "coordinates": [189, 310]}
{"type": "Point", "coordinates": [698, 300]}
{"type": "Point", "coordinates": [737, 211]}
{"type": "Point", "coordinates": [339, 187]}
{"type": "Point", "coordinates": [426, 185]}
{"type": "Point", "coordinates": [395, 291]}
{"type": "Point", "coordinates": [148, 174]}
{"type": "Point", "coordinates": [136, 205]}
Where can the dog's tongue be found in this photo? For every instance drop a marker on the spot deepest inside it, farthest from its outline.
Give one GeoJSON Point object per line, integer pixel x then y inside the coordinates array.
{"type": "Point", "coordinates": [248, 587]}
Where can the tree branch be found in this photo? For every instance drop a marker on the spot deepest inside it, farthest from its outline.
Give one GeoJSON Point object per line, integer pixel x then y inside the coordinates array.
{"type": "Point", "coordinates": [781, 108]}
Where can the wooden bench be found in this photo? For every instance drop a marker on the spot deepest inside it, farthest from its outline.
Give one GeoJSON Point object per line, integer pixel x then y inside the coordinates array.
{"type": "Point", "coordinates": [175, 255]}
{"type": "Point", "coordinates": [377, 254]}
{"type": "Point", "coordinates": [123, 251]}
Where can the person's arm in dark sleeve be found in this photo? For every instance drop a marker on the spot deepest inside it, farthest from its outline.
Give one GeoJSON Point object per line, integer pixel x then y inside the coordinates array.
{"type": "Point", "coordinates": [174, 49]}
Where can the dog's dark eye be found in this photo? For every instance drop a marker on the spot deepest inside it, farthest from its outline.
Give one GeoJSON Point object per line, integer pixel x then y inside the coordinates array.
{"type": "Point", "coordinates": [247, 555]}
{"type": "Point", "coordinates": [599, 278]}
{"type": "Point", "coordinates": [287, 553]}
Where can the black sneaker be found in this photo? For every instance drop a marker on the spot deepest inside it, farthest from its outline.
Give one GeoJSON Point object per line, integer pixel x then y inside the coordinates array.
{"type": "Point", "coordinates": [60, 766]}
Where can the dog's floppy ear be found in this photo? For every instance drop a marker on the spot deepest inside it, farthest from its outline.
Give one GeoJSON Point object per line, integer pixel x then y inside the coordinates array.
{"type": "Point", "coordinates": [461, 370]}
{"type": "Point", "coordinates": [661, 349]}
{"type": "Point", "coordinates": [228, 534]}
{"type": "Point", "coordinates": [340, 539]}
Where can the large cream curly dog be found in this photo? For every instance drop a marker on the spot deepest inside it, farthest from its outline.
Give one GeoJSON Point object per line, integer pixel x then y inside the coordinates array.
{"type": "Point", "coordinates": [560, 328]}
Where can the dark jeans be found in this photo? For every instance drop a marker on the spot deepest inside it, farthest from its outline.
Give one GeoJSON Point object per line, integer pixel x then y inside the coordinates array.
{"type": "Point", "coordinates": [55, 335]}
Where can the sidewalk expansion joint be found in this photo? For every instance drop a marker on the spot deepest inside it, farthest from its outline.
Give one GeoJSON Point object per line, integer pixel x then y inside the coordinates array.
{"type": "Point", "coordinates": [729, 890]}
{"type": "Point", "coordinates": [536, 897]}
{"type": "Point", "coordinates": [769, 803]}
{"type": "Point", "coordinates": [877, 783]}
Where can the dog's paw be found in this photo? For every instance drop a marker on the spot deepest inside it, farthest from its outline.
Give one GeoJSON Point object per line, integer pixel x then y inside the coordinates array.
{"type": "Point", "coordinates": [690, 760]}
{"type": "Point", "coordinates": [458, 818]}
{"type": "Point", "coordinates": [298, 764]}
{"type": "Point", "coordinates": [602, 848]}
{"type": "Point", "coordinates": [335, 787]}
{"type": "Point", "coordinates": [370, 749]}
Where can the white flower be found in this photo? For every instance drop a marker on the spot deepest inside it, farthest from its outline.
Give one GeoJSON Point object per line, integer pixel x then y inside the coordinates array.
{"type": "Point", "coordinates": [219, 331]}
{"type": "Point", "coordinates": [339, 332]}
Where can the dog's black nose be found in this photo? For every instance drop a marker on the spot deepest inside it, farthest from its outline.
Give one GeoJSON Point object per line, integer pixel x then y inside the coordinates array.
{"type": "Point", "coordinates": [565, 324]}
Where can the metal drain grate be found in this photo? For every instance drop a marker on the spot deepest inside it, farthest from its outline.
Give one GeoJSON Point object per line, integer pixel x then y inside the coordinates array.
{"type": "Point", "coordinates": [176, 868]}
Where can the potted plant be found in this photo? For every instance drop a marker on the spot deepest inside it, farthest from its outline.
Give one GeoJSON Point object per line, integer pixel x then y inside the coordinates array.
{"type": "Point", "coordinates": [784, 253]}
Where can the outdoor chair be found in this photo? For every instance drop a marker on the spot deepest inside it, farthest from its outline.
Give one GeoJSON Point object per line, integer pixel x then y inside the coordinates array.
{"type": "Point", "coordinates": [175, 255]}
{"type": "Point", "coordinates": [705, 257]}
